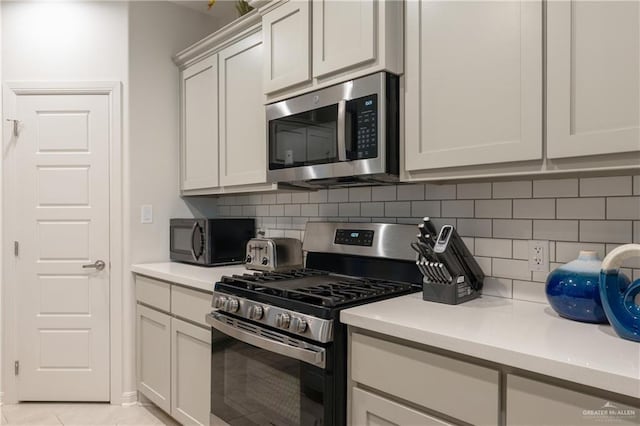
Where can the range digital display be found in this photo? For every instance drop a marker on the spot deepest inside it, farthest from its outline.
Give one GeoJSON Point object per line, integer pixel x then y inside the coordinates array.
{"type": "Point", "coordinates": [354, 237]}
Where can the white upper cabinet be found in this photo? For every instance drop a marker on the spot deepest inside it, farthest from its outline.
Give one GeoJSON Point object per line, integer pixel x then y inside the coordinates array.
{"type": "Point", "coordinates": [344, 34]}
{"type": "Point", "coordinates": [243, 147]}
{"type": "Point", "coordinates": [199, 152]}
{"type": "Point", "coordinates": [593, 77]}
{"type": "Point", "coordinates": [287, 45]}
{"type": "Point", "coordinates": [473, 83]}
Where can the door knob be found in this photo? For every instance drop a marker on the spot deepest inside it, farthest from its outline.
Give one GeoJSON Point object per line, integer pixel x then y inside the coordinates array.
{"type": "Point", "coordinates": [98, 264]}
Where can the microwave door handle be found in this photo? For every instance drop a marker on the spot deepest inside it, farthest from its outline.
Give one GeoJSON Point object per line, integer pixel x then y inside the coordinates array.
{"type": "Point", "coordinates": [342, 115]}
{"type": "Point", "coordinates": [313, 357]}
{"type": "Point", "coordinates": [193, 234]}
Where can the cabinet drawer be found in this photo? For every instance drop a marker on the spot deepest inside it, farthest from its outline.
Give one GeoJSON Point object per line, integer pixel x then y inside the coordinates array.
{"type": "Point", "coordinates": [432, 381]}
{"type": "Point", "coordinates": [530, 402]}
{"type": "Point", "coordinates": [190, 304]}
{"type": "Point", "coordinates": [153, 292]}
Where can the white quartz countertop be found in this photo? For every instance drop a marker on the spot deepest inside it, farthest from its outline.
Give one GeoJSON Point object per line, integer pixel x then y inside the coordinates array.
{"type": "Point", "coordinates": [526, 335]}
{"type": "Point", "coordinates": [199, 277]}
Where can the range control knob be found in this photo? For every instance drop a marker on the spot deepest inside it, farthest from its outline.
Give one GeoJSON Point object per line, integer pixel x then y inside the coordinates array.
{"type": "Point", "coordinates": [265, 260]}
{"type": "Point", "coordinates": [283, 320]}
{"type": "Point", "coordinates": [218, 302]}
{"type": "Point", "coordinates": [232, 305]}
{"type": "Point", "coordinates": [299, 325]}
{"type": "Point", "coordinates": [248, 259]}
{"type": "Point", "coordinates": [256, 312]}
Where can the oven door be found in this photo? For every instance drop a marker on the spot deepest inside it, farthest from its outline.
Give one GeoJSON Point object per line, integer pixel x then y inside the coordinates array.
{"type": "Point", "coordinates": [261, 377]}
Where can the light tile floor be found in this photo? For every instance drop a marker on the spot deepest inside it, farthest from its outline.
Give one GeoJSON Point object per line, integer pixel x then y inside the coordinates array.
{"type": "Point", "coordinates": [83, 414]}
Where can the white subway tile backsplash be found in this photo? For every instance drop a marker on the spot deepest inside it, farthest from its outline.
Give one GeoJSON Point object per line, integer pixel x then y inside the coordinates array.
{"type": "Point", "coordinates": [500, 287]}
{"type": "Point", "coordinates": [549, 188]}
{"type": "Point", "coordinates": [580, 208]}
{"type": "Point", "coordinates": [495, 219]}
{"type": "Point", "coordinates": [372, 209]}
{"type": "Point", "coordinates": [411, 192]}
{"type": "Point", "coordinates": [566, 252]}
{"type": "Point", "coordinates": [292, 210]}
{"type": "Point", "coordinates": [362, 193]}
{"type": "Point", "coordinates": [516, 228]}
{"type": "Point", "coordinates": [349, 209]}
{"type": "Point", "coordinates": [516, 189]}
{"type": "Point", "coordinates": [425, 208]}
{"type": "Point", "coordinates": [319, 196]}
{"type": "Point", "coordinates": [606, 231]}
{"type": "Point", "coordinates": [623, 208]}
{"type": "Point", "coordinates": [529, 290]}
{"type": "Point", "coordinates": [309, 210]}
{"type": "Point", "coordinates": [283, 198]}
{"type": "Point", "coordinates": [521, 249]}
{"type": "Point", "coordinates": [457, 208]}
{"type": "Point", "coordinates": [493, 247]}
{"type": "Point", "coordinates": [397, 209]}
{"type": "Point", "coordinates": [383, 193]}
{"type": "Point", "coordinates": [473, 227]}
{"type": "Point", "coordinates": [605, 186]}
{"type": "Point", "coordinates": [339, 195]}
{"type": "Point", "coordinates": [543, 208]}
{"type": "Point", "coordinates": [473, 191]}
{"type": "Point", "coordinates": [558, 230]}
{"type": "Point", "coordinates": [300, 197]}
{"type": "Point", "coordinates": [511, 268]}
{"type": "Point", "coordinates": [326, 210]}
{"type": "Point", "coordinates": [485, 264]}
{"type": "Point", "coordinates": [493, 208]}
{"type": "Point", "coordinates": [276, 210]}
{"type": "Point", "coordinates": [439, 192]}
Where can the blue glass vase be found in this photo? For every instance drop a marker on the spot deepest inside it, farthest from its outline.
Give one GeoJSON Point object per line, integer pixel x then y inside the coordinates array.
{"type": "Point", "coordinates": [620, 303]}
{"type": "Point", "coordinates": [573, 289]}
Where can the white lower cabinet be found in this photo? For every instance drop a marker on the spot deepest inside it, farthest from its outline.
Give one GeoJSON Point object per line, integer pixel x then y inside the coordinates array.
{"type": "Point", "coordinates": [531, 402]}
{"type": "Point", "coordinates": [372, 410]}
{"type": "Point", "coordinates": [154, 356]}
{"type": "Point", "coordinates": [190, 372]}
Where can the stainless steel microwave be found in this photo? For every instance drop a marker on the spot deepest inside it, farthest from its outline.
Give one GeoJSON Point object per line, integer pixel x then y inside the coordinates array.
{"type": "Point", "coordinates": [342, 135]}
{"type": "Point", "coordinates": [210, 242]}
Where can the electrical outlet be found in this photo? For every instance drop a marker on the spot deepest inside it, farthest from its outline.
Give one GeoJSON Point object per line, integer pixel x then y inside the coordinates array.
{"type": "Point", "coordinates": [539, 256]}
{"type": "Point", "coordinates": [146, 213]}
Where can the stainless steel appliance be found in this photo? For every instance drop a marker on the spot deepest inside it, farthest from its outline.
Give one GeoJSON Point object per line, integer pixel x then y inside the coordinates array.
{"type": "Point", "coordinates": [342, 135]}
{"type": "Point", "coordinates": [209, 241]}
{"type": "Point", "coordinates": [279, 350]}
{"type": "Point", "coordinates": [273, 254]}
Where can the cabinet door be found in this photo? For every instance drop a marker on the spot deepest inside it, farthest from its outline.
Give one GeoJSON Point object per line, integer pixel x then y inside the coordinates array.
{"type": "Point", "coordinates": [473, 83]}
{"type": "Point", "coordinates": [287, 45]}
{"type": "Point", "coordinates": [199, 151]}
{"type": "Point", "coordinates": [154, 356]}
{"type": "Point", "coordinates": [530, 402]}
{"type": "Point", "coordinates": [372, 410]}
{"type": "Point", "coordinates": [243, 146]}
{"type": "Point", "coordinates": [344, 34]}
{"type": "Point", "coordinates": [190, 372]}
{"type": "Point", "coordinates": [593, 77]}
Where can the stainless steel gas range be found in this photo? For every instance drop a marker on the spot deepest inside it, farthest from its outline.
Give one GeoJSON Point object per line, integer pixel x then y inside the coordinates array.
{"type": "Point", "coordinates": [279, 351]}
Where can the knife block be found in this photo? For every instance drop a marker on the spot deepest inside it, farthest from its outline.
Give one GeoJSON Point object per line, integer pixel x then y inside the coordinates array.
{"type": "Point", "coordinates": [452, 294]}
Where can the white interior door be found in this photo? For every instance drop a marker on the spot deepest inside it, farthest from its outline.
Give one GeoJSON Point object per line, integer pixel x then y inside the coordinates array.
{"type": "Point", "coordinates": [62, 212]}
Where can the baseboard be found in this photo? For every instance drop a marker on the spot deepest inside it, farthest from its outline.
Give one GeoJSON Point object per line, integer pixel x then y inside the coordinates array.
{"type": "Point", "coordinates": [129, 398]}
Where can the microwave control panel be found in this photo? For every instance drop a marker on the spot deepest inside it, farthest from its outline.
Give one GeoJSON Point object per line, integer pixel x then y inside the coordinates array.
{"type": "Point", "coordinates": [354, 237]}
{"type": "Point", "coordinates": [365, 113]}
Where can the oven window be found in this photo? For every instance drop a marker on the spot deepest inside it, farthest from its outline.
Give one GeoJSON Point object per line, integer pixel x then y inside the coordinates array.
{"type": "Point", "coordinates": [304, 139]}
{"type": "Point", "coordinates": [252, 386]}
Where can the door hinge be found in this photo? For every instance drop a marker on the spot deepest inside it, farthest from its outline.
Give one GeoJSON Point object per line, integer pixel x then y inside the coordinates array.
{"type": "Point", "coordinates": [16, 367]}
{"type": "Point", "coordinates": [16, 248]}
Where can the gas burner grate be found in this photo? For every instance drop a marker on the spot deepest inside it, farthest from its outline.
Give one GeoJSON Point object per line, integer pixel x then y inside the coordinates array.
{"type": "Point", "coordinates": [316, 287]}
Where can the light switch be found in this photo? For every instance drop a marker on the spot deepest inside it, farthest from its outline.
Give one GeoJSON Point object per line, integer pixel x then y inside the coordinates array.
{"type": "Point", "coordinates": [146, 213]}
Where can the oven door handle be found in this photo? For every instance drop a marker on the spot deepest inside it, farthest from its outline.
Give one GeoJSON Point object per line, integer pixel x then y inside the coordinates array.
{"type": "Point", "coordinates": [342, 116]}
{"type": "Point", "coordinates": [314, 357]}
